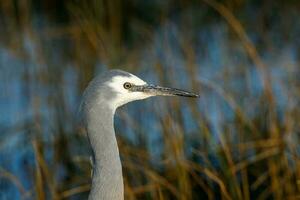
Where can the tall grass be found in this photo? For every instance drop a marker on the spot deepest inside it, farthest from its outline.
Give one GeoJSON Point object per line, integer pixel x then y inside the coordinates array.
{"type": "Point", "coordinates": [239, 141]}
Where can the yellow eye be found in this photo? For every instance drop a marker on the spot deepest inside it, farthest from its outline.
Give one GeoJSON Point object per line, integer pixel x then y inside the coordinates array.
{"type": "Point", "coordinates": [127, 85]}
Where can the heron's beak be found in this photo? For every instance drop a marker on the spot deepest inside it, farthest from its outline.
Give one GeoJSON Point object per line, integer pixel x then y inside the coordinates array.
{"type": "Point", "coordinates": [163, 91]}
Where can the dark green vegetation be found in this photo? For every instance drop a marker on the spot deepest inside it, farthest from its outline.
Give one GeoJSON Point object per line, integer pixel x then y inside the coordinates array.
{"type": "Point", "coordinates": [239, 141]}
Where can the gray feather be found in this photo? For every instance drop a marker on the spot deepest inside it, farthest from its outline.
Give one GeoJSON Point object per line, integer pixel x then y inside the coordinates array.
{"type": "Point", "coordinates": [107, 180]}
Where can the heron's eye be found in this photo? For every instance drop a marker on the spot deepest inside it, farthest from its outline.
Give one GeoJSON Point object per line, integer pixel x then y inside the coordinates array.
{"type": "Point", "coordinates": [127, 85]}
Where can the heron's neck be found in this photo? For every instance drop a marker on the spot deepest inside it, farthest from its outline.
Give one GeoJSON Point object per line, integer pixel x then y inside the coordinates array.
{"type": "Point", "coordinates": [107, 179]}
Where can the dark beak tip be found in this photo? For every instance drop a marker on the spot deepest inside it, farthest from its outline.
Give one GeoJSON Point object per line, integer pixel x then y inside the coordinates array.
{"type": "Point", "coordinates": [192, 95]}
{"type": "Point", "coordinates": [189, 95]}
{"type": "Point", "coordinates": [196, 96]}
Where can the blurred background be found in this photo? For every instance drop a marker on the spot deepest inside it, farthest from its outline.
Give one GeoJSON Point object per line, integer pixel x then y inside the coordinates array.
{"type": "Point", "coordinates": [240, 140]}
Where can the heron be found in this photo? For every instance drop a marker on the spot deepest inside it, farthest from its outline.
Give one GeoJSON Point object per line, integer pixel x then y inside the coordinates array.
{"type": "Point", "coordinates": [104, 94]}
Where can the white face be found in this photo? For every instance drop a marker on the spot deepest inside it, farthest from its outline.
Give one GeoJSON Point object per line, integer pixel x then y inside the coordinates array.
{"type": "Point", "coordinates": [124, 95]}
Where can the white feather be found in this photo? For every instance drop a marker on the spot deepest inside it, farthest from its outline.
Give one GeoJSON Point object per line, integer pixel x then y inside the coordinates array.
{"type": "Point", "coordinates": [125, 95]}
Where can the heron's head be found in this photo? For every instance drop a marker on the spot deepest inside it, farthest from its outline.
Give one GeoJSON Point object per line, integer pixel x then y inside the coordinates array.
{"type": "Point", "coordinates": [115, 88]}
{"type": "Point", "coordinates": [128, 87]}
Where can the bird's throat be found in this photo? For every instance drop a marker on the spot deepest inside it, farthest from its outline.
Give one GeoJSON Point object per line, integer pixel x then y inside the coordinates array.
{"type": "Point", "coordinates": [107, 180]}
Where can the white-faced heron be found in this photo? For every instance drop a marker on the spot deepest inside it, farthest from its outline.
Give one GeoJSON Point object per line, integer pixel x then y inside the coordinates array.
{"type": "Point", "coordinates": [102, 97]}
